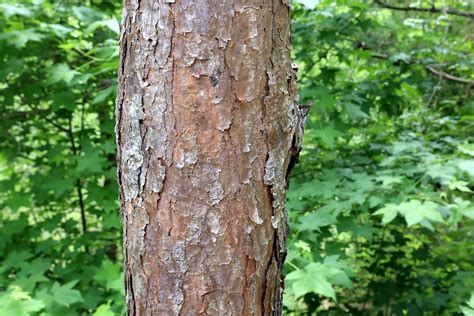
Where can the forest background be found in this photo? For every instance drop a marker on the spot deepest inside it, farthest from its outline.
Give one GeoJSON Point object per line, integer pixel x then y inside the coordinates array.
{"type": "Point", "coordinates": [380, 205]}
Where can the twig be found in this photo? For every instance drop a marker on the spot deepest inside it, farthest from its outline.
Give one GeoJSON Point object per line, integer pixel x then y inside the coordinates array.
{"type": "Point", "coordinates": [78, 181]}
{"type": "Point", "coordinates": [449, 77]}
{"type": "Point", "coordinates": [433, 9]}
{"type": "Point", "coordinates": [81, 205]}
{"type": "Point", "coordinates": [21, 114]}
{"type": "Point", "coordinates": [433, 70]}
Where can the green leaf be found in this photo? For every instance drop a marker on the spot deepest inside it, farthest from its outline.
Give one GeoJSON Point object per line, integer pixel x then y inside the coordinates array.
{"type": "Point", "coordinates": [389, 212]}
{"type": "Point", "coordinates": [304, 246]}
{"type": "Point", "coordinates": [414, 212]}
{"type": "Point", "coordinates": [91, 162]}
{"type": "Point", "coordinates": [316, 220]}
{"type": "Point", "coordinates": [59, 186]}
{"type": "Point", "coordinates": [400, 57]}
{"type": "Point", "coordinates": [466, 208]}
{"type": "Point", "coordinates": [65, 295]}
{"type": "Point", "coordinates": [64, 99]}
{"type": "Point", "coordinates": [21, 37]}
{"type": "Point", "coordinates": [112, 24]}
{"type": "Point", "coordinates": [310, 283]}
{"type": "Point", "coordinates": [325, 189]}
{"type": "Point", "coordinates": [17, 200]}
{"type": "Point", "coordinates": [14, 9]}
{"type": "Point", "coordinates": [29, 283]}
{"type": "Point", "coordinates": [60, 72]}
{"type": "Point", "coordinates": [469, 309]}
{"type": "Point", "coordinates": [354, 111]}
{"type": "Point", "coordinates": [110, 275]}
{"type": "Point", "coordinates": [389, 180]}
{"type": "Point", "coordinates": [325, 100]}
{"type": "Point", "coordinates": [14, 258]}
{"type": "Point", "coordinates": [34, 267]}
{"type": "Point", "coordinates": [467, 149]}
{"type": "Point", "coordinates": [328, 135]}
{"type": "Point", "coordinates": [103, 95]}
{"type": "Point", "coordinates": [57, 29]}
{"type": "Point", "coordinates": [86, 14]}
{"type": "Point", "coordinates": [459, 185]}
{"type": "Point", "coordinates": [467, 166]}
{"type": "Point", "coordinates": [351, 226]}
{"type": "Point", "coordinates": [15, 301]}
{"type": "Point", "coordinates": [104, 310]}
{"type": "Point", "coordinates": [319, 278]}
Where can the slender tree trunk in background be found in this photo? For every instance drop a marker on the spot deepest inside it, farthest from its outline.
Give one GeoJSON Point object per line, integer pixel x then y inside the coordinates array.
{"type": "Point", "coordinates": [207, 127]}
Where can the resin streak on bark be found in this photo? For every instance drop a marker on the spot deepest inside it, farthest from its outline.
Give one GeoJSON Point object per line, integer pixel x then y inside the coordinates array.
{"type": "Point", "coordinates": [207, 123]}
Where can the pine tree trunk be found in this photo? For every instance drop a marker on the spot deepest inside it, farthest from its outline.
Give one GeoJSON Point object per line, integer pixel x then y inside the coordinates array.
{"type": "Point", "coordinates": [207, 128]}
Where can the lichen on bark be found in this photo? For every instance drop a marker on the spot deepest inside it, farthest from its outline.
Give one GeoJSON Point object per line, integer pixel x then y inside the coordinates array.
{"type": "Point", "coordinates": [207, 127]}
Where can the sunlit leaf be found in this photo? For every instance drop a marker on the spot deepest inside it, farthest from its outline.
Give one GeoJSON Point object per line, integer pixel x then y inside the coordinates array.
{"type": "Point", "coordinates": [65, 295]}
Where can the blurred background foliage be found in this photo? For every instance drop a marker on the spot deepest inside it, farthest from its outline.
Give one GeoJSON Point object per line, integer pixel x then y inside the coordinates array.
{"type": "Point", "coordinates": [380, 205]}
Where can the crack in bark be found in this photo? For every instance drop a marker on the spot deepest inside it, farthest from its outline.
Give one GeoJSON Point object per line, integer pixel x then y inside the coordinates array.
{"type": "Point", "coordinates": [132, 310]}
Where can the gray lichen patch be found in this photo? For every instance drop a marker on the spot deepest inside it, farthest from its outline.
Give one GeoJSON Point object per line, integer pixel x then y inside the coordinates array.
{"type": "Point", "coordinates": [175, 264]}
{"type": "Point", "coordinates": [255, 217]}
{"type": "Point", "coordinates": [156, 175]}
{"type": "Point", "coordinates": [131, 155]}
{"type": "Point", "coordinates": [216, 192]}
{"type": "Point", "coordinates": [187, 152]}
{"type": "Point", "coordinates": [213, 222]}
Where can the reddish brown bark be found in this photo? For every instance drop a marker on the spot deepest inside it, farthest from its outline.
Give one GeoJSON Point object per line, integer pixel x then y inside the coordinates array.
{"type": "Point", "coordinates": [207, 124]}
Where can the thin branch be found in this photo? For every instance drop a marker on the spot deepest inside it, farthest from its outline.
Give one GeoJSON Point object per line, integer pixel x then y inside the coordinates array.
{"type": "Point", "coordinates": [21, 114]}
{"type": "Point", "coordinates": [78, 181]}
{"type": "Point", "coordinates": [71, 136]}
{"type": "Point", "coordinates": [433, 9]}
{"type": "Point", "coordinates": [434, 71]}
{"type": "Point", "coordinates": [435, 90]}
{"type": "Point", "coordinates": [50, 121]}
{"type": "Point", "coordinates": [81, 205]}
{"type": "Point", "coordinates": [449, 77]}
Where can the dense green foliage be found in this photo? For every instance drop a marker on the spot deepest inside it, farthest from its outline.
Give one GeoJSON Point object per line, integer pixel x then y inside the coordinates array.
{"type": "Point", "coordinates": [380, 204]}
{"type": "Point", "coordinates": [382, 196]}
{"type": "Point", "coordinates": [57, 74]}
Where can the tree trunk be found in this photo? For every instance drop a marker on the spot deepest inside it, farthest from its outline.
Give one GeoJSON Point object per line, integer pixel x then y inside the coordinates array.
{"type": "Point", "coordinates": [207, 127]}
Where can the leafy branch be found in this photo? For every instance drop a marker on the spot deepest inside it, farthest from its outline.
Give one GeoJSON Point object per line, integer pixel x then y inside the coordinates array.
{"type": "Point", "coordinates": [433, 9]}
{"type": "Point", "coordinates": [432, 70]}
{"type": "Point", "coordinates": [445, 75]}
